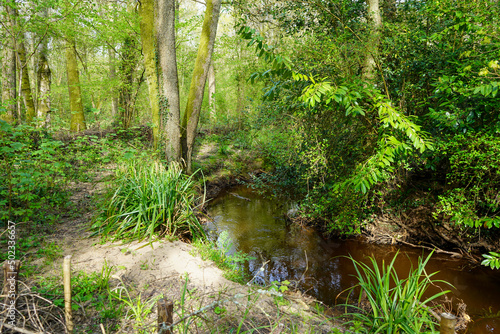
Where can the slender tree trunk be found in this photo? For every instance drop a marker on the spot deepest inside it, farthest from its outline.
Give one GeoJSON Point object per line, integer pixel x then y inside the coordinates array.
{"type": "Point", "coordinates": [25, 82]}
{"type": "Point", "coordinates": [112, 77]}
{"type": "Point", "coordinates": [44, 80]}
{"type": "Point", "coordinates": [146, 11]}
{"type": "Point", "coordinates": [375, 23]}
{"type": "Point", "coordinates": [240, 84]}
{"type": "Point", "coordinates": [211, 89]}
{"type": "Point", "coordinates": [9, 66]}
{"type": "Point", "coordinates": [169, 81]}
{"type": "Point", "coordinates": [77, 122]}
{"type": "Point", "coordinates": [127, 69]}
{"type": "Point", "coordinates": [195, 97]}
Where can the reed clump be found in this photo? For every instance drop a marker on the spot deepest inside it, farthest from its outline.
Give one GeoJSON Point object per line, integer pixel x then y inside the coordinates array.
{"type": "Point", "coordinates": [147, 200]}
{"type": "Point", "coordinates": [395, 305]}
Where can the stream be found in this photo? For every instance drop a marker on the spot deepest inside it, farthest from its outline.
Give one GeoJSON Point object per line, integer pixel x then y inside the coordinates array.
{"type": "Point", "coordinates": [256, 226]}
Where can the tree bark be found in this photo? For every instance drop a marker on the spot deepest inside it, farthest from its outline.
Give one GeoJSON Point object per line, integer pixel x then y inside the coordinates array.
{"type": "Point", "coordinates": [240, 84]}
{"type": "Point", "coordinates": [146, 12]}
{"type": "Point", "coordinates": [112, 77]}
{"type": "Point", "coordinates": [44, 81]}
{"type": "Point", "coordinates": [169, 81]}
{"type": "Point", "coordinates": [375, 24]}
{"type": "Point", "coordinates": [9, 66]}
{"type": "Point", "coordinates": [77, 122]}
{"type": "Point", "coordinates": [195, 97]}
{"type": "Point", "coordinates": [211, 89]}
{"type": "Point", "coordinates": [25, 82]}
{"type": "Point", "coordinates": [127, 68]}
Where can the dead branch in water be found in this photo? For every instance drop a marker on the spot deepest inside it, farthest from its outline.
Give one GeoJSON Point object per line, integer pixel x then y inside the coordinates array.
{"type": "Point", "coordinates": [434, 248]}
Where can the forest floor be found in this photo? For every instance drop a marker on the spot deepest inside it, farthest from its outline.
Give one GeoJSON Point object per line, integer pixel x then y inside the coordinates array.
{"type": "Point", "coordinates": [171, 269]}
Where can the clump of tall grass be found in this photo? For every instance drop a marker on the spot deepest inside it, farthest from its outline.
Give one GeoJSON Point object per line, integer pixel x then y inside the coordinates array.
{"type": "Point", "coordinates": [395, 305]}
{"type": "Point", "coordinates": [147, 200]}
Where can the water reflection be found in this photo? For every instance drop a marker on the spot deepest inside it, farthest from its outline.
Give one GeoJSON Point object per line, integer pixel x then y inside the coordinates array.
{"type": "Point", "coordinates": [257, 226]}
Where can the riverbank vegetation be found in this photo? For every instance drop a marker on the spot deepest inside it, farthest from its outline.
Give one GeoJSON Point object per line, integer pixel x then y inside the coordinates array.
{"type": "Point", "coordinates": [414, 138]}
{"type": "Point", "coordinates": [378, 119]}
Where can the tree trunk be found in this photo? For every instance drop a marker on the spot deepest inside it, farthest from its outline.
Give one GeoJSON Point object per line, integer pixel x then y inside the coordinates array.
{"type": "Point", "coordinates": [375, 24]}
{"type": "Point", "coordinates": [25, 82]}
{"type": "Point", "coordinates": [146, 12]}
{"type": "Point", "coordinates": [169, 81]}
{"type": "Point", "coordinates": [211, 89]}
{"type": "Point", "coordinates": [196, 90]}
{"type": "Point", "coordinates": [77, 122]}
{"type": "Point", "coordinates": [44, 80]}
{"type": "Point", "coordinates": [240, 84]}
{"type": "Point", "coordinates": [127, 69]}
{"type": "Point", "coordinates": [9, 67]}
{"type": "Point", "coordinates": [112, 77]}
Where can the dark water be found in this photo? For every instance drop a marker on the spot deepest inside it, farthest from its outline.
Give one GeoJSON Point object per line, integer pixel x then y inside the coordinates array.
{"type": "Point", "coordinates": [257, 227]}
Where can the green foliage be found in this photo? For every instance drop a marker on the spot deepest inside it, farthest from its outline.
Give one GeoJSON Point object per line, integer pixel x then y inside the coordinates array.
{"type": "Point", "coordinates": [343, 138]}
{"type": "Point", "coordinates": [85, 287]}
{"type": "Point", "coordinates": [473, 179]}
{"type": "Point", "coordinates": [339, 212]}
{"type": "Point", "coordinates": [396, 305]}
{"type": "Point", "coordinates": [491, 260]}
{"type": "Point", "coordinates": [89, 290]}
{"type": "Point", "coordinates": [326, 112]}
{"type": "Point", "coordinates": [392, 125]}
{"type": "Point", "coordinates": [32, 173]}
{"type": "Point", "coordinates": [149, 199]}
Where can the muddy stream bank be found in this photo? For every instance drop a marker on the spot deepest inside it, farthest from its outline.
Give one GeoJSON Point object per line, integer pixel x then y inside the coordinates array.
{"type": "Point", "coordinates": [257, 226]}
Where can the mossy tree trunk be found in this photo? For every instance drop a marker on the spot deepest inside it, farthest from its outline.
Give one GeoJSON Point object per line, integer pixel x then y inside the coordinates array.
{"type": "Point", "coordinates": [169, 81]}
{"type": "Point", "coordinates": [25, 81]}
{"type": "Point", "coordinates": [44, 77]}
{"type": "Point", "coordinates": [196, 90]}
{"type": "Point", "coordinates": [375, 24]}
{"type": "Point", "coordinates": [9, 65]}
{"type": "Point", "coordinates": [146, 12]}
{"type": "Point", "coordinates": [127, 68]}
{"type": "Point", "coordinates": [240, 83]}
{"type": "Point", "coordinates": [77, 122]}
{"type": "Point", "coordinates": [211, 89]}
{"type": "Point", "coordinates": [112, 77]}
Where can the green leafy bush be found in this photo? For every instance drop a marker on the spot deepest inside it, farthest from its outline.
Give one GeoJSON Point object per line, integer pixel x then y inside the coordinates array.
{"type": "Point", "coordinates": [148, 199]}
{"type": "Point", "coordinates": [395, 303]}
{"type": "Point", "coordinates": [32, 173]}
{"type": "Point", "coordinates": [473, 181]}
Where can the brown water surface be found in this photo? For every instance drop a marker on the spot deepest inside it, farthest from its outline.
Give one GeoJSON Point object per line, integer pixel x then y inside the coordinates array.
{"type": "Point", "coordinates": [256, 226]}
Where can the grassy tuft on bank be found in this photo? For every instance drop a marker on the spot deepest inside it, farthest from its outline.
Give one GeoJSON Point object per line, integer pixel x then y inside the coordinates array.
{"type": "Point", "coordinates": [147, 200]}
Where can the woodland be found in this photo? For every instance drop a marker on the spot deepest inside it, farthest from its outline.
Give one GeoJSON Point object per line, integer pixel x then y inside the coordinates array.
{"type": "Point", "coordinates": [380, 118]}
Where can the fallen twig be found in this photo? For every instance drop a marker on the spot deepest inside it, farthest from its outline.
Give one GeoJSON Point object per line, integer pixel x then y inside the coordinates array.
{"type": "Point", "coordinates": [17, 329]}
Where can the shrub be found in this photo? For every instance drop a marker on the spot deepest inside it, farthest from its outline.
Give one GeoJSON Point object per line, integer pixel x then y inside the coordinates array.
{"type": "Point", "coordinates": [473, 181]}
{"type": "Point", "coordinates": [32, 174]}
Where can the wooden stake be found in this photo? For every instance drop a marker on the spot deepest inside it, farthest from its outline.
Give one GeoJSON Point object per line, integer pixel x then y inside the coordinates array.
{"type": "Point", "coordinates": [10, 279]}
{"type": "Point", "coordinates": [165, 315]}
{"type": "Point", "coordinates": [447, 323]}
{"type": "Point", "coordinates": [67, 292]}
